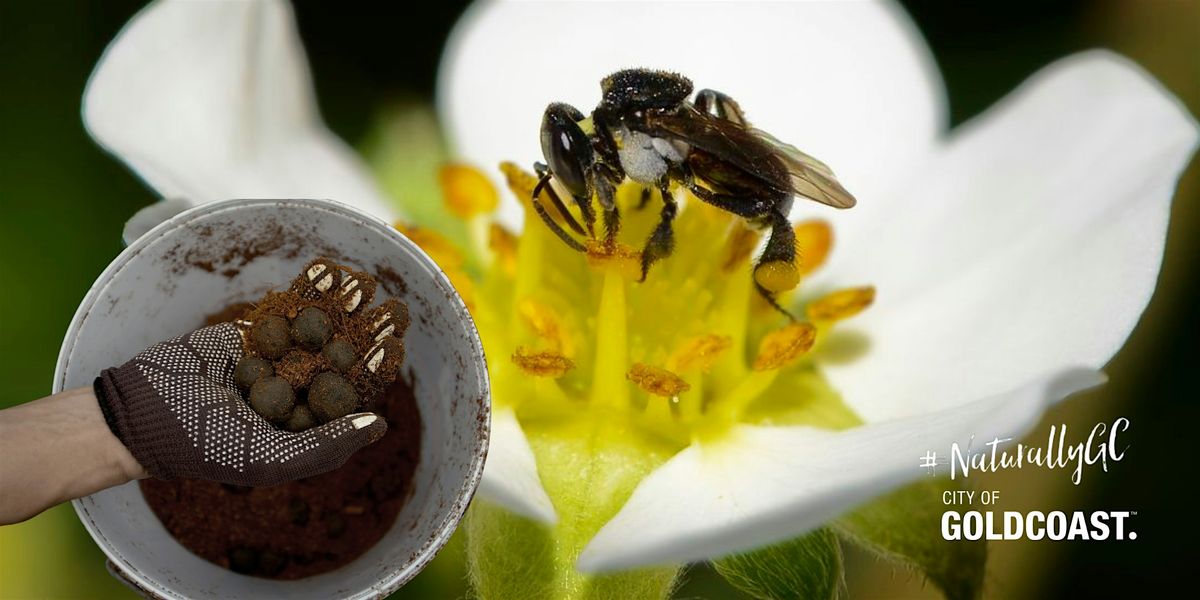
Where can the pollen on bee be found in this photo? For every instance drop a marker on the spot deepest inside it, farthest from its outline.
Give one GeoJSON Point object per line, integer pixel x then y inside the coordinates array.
{"type": "Point", "coordinates": [785, 345]}
{"type": "Point", "coordinates": [814, 239]}
{"type": "Point", "coordinates": [739, 246]}
{"type": "Point", "coordinates": [841, 304]}
{"type": "Point", "coordinates": [543, 321]}
{"type": "Point", "coordinates": [467, 191]}
{"type": "Point", "coordinates": [657, 381]}
{"type": "Point", "coordinates": [777, 275]}
{"type": "Point", "coordinates": [700, 352]}
{"type": "Point", "coordinates": [541, 363]}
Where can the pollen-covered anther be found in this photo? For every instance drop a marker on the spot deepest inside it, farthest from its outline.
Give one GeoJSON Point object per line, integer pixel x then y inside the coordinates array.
{"type": "Point", "coordinates": [541, 363]}
{"type": "Point", "coordinates": [467, 191]}
{"type": "Point", "coordinates": [700, 352]}
{"type": "Point", "coordinates": [814, 239]}
{"type": "Point", "coordinates": [739, 246]}
{"type": "Point", "coordinates": [657, 381]}
{"type": "Point", "coordinates": [543, 321]}
{"type": "Point", "coordinates": [777, 275]}
{"type": "Point", "coordinates": [841, 304]}
{"type": "Point", "coordinates": [624, 258]}
{"type": "Point", "coordinates": [782, 346]}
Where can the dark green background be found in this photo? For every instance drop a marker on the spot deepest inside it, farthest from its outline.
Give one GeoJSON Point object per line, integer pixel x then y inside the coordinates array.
{"type": "Point", "coordinates": [63, 203]}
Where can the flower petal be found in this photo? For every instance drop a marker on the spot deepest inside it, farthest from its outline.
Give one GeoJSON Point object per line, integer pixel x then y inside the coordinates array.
{"type": "Point", "coordinates": [213, 100]}
{"type": "Point", "coordinates": [1032, 242]}
{"type": "Point", "coordinates": [510, 477]}
{"type": "Point", "coordinates": [850, 83]}
{"type": "Point", "coordinates": [762, 485]}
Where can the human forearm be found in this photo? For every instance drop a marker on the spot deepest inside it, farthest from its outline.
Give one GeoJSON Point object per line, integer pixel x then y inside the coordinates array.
{"type": "Point", "coordinates": [56, 449]}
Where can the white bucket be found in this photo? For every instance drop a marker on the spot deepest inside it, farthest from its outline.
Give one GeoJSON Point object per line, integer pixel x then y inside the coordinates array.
{"type": "Point", "coordinates": [202, 260]}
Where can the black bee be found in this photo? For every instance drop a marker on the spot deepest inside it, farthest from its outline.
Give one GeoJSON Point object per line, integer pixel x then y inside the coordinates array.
{"type": "Point", "coordinates": [645, 128]}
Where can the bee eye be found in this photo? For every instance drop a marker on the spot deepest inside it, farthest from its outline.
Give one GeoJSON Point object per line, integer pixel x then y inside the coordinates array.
{"type": "Point", "coordinates": [566, 147]}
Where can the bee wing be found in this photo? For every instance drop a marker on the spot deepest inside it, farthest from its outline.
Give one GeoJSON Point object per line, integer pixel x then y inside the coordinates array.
{"type": "Point", "coordinates": [756, 152]}
{"type": "Point", "coordinates": [810, 177]}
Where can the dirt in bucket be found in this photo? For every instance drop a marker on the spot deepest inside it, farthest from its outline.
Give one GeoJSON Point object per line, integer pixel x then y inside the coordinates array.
{"type": "Point", "coordinates": [305, 527]}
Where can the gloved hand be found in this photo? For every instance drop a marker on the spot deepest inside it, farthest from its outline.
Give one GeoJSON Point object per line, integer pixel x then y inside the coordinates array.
{"type": "Point", "coordinates": [176, 408]}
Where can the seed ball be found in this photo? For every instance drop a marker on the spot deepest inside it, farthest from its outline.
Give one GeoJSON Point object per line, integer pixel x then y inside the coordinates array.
{"type": "Point", "coordinates": [312, 328]}
{"type": "Point", "coordinates": [270, 337]}
{"type": "Point", "coordinates": [298, 367]}
{"type": "Point", "coordinates": [301, 419]}
{"type": "Point", "coordinates": [341, 354]}
{"type": "Point", "coordinates": [330, 397]}
{"type": "Point", "coordinates": [248, 370]}
{"type": "Point", "coordinates": [272, 398]}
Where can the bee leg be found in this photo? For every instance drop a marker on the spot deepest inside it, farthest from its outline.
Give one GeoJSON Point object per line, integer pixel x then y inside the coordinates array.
{"type": "Point", "coordinates": [775, 270]}
{"type": "Point", "coordinates": [739, 205]}
{"type": "Point", "coordinates": [554, 226]}
{"type": "Point", "coordinates": [662, 241]}
{"type": "Point", "coordinates": [550, 222]}
{"type": "Point", "coordinates": [606, 193]}
{"type": "Point", "coordinates": [645, 199]}
{"type": "Point", "coordinates": [544, 183]}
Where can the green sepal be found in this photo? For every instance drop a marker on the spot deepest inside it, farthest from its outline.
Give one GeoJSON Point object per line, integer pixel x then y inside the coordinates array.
{"type": "Point", "coordinates": [807, 567]}
{"type": "Point", "coordinates": [905, 527]}
{"type": "Point", "coordinates": [589, 468]}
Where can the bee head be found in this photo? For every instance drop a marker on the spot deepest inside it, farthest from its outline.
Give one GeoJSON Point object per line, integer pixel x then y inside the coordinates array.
{"type": "Point", "coordinates": [566, 147]}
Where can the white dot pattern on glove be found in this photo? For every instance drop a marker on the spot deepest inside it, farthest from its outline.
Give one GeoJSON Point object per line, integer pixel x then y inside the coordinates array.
{"type": "Point", "coordinates": [193, 376]}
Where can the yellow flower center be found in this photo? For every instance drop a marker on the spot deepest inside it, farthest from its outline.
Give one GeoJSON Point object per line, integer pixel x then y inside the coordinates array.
{"type": "Point", "coordinates": [684, 355]}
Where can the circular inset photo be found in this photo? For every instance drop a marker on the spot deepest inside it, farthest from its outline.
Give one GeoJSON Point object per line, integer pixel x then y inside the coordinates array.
{"type": "Point", "coordinates": [360, 531]}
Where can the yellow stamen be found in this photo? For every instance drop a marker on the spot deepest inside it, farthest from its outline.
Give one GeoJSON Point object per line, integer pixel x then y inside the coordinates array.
{"type": "Point", "coordinates": [503, 244]}
{"type": "Point", "coordinates": [700, 352]}
{"type": "Point", "coordinates": [521, 183]}
{"type": "Point", "coordinates": [777, 276]}
{"type": "Point", "coordinates": [544, 322]}
{"type": "Point", "coordinates": [467, 191]}
{"type": "Point", "coordinates": [742, 241]}
{"type": "Point", "coordinates": [654, 380]}
{"type": "Point", "coordinates": [841, 304]}
{"type": "Point", "coordinates": [612, 345]}
{"type": "Point", "coordinates": [541, 364]}
{"type": "Point", "coordinates": [813, 241]}
{"type": "Point", "coordinates": [783, 346]}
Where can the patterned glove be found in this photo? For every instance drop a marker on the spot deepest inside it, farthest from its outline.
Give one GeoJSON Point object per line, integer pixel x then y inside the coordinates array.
{"type": "Point", "coordinates": [176, 408]}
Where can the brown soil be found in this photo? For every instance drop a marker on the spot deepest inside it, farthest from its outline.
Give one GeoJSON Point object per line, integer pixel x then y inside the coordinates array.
{"type": "Point", "coordinates": [306, 527]}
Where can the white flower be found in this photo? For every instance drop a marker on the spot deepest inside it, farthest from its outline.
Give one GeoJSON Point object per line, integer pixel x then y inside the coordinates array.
{"type": "Point", "coordinates": [1012, 257]}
